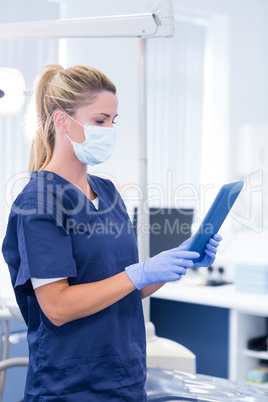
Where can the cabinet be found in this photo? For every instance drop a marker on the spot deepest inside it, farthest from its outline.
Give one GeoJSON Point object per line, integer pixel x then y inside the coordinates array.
{"type": "Point", "coordinates": [243, 327]}
{"type": "Point", "coordinates": [204, 330]}
{"type": "Point", "coordinates": [247, 318]}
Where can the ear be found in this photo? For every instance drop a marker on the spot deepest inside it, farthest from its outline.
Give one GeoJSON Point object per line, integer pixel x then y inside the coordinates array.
{"type": "Point", "coordinates": [59, 121]}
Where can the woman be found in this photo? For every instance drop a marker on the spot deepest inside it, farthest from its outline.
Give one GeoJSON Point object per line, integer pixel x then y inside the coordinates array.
{"type": "Point", "coordinates": [72, 254]}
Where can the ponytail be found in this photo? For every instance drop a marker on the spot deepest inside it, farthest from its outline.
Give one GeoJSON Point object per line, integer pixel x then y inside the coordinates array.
{"type": "Point", "coordinates": [44, 139]}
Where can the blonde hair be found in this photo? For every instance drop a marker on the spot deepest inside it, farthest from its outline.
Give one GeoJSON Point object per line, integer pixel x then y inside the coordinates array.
{"type": "Point", "coordinates": [67, 90]}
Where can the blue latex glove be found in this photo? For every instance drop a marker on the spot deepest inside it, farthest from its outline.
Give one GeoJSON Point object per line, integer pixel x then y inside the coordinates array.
{"type": "Point", "coordinates": [210, 251]}
{"type": "Point", "coordinates": [164, 267]}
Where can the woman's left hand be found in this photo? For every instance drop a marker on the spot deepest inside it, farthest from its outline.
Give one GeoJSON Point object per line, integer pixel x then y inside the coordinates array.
{"type": "Point", "coordinates": [210, 252]}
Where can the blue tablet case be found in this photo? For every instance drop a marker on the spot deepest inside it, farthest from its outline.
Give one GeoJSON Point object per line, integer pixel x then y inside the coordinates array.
{"type": "Point", "coordinates": [215, 217]}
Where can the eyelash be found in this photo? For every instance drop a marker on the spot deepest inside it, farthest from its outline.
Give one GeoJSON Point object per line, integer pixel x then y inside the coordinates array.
{"type": "Point", "coordinates": [102, 122]}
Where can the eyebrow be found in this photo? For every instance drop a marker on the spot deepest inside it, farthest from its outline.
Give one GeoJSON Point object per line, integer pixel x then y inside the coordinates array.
{"type": "Point", "coordinates": [106, 115]}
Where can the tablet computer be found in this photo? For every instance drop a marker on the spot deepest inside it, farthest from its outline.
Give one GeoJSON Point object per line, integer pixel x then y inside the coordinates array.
{"type": "Point", "coordinates": [215, 217]}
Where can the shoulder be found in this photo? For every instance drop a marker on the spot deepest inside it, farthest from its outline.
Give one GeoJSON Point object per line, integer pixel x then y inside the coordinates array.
{"type": "Point", "coordinates": [27, 197]}
{"type": "Point", "coordinates": [44, 190]}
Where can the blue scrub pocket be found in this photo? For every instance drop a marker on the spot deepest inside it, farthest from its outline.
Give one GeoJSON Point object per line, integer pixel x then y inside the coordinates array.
{"type": "Point", "coordinates": [98, 374]}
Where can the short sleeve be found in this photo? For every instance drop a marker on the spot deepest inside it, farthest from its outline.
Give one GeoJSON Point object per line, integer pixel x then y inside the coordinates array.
{"type": "Point", "coordinates": [45, 249]}
{"type": "Point", "coordinates": [36, 282]}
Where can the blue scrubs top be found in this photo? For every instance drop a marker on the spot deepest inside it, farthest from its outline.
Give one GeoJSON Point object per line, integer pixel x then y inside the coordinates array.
{"type": "Point", "coordinates": [55, 231]}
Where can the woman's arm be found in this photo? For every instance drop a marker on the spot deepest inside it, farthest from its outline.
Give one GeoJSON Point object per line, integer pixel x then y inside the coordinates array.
{"type": "Point", "coordinates": [150, 289]}
{"type": "Point", "coordinates": [62, 303]}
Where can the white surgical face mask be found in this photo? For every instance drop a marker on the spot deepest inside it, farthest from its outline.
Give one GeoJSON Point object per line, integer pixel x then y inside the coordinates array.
{"type": "Point", "coordinates": [98, 145]}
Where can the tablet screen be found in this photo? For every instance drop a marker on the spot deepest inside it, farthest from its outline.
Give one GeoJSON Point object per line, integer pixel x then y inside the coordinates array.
{"type": "Point", "coordinates": [215, 217]}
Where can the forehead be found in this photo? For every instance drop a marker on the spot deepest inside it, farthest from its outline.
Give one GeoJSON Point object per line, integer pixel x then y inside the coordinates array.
{"type": "Point", "coordinates": [105, 102]}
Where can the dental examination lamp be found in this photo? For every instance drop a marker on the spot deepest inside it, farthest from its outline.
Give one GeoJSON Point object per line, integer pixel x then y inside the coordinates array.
{"type": "Point", "coordinates": [12, 91]}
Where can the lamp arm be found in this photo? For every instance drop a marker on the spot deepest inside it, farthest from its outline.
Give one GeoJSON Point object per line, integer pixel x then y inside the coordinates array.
{"type": "Point", "coordinates": [127, 26]}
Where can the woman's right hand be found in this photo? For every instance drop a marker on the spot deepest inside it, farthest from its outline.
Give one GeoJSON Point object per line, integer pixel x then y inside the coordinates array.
{"type": "Point", "coordinates": [164, 267]}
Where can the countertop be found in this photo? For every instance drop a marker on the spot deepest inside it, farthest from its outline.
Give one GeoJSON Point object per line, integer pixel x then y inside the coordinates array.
{"type": "Point", "coordinates": [218, 296]}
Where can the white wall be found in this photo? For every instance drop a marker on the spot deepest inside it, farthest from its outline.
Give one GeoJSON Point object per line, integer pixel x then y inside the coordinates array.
{"type": "Point", "coordinates": [248, 60]}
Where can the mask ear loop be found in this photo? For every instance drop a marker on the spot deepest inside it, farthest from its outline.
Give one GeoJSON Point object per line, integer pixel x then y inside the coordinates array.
{"type": "Point", "coordinates": [73, 119]}
{"type": "Point", "coordinates": [76, 122]}
{"type": "Point", "coordinates": [68, 137]}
